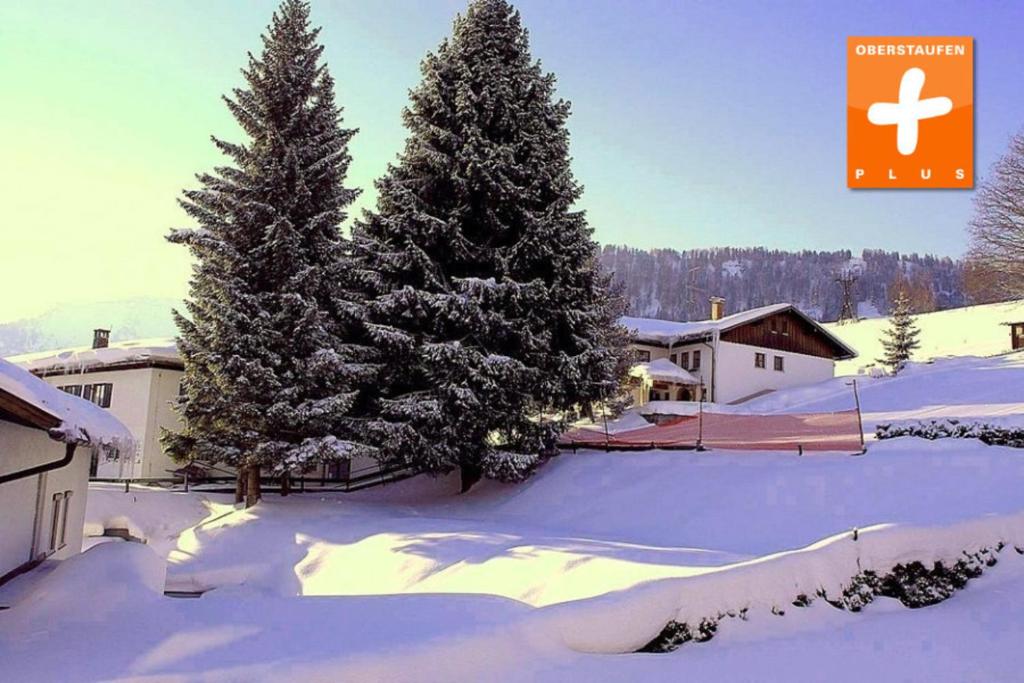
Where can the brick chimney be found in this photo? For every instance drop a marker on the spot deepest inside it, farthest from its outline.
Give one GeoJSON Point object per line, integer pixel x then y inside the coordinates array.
{"type": "Point", "coordinates": [100, 338]}
{"type": "Point", "coordinates": [717, 307]}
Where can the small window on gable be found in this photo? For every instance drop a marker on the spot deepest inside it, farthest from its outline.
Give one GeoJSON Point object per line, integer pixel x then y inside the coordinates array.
{"type": "Point", "coordinates": [774, 326]}
{"type": "Point", "coordinates": [785, 327]}
{"type": "Point", "coordinates": [779, 364]}
{"type": "Point", "coordinates": [759, 360]}
{"type": "Point", "coordinates": [684, 360]}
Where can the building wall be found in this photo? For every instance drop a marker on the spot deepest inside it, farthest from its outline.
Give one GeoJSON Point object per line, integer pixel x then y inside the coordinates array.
{"type": "Point", "coordinates": [738, 377]}
{"type": "Point", "coordinates": [162, 393]}
{"type": "Point", "coordinates": [141, 399]}
{"type": "Point", "coordinates": [23, 447]}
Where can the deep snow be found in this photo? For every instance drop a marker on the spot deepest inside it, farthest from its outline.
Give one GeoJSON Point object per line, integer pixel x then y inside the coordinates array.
{"type": "Point", "coordinates": [561, 577]}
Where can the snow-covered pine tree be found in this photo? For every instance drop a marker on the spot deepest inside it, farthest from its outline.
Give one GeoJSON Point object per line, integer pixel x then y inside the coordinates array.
{"type": "Point", "coordinates": [900, 338]}
{"type": "Point", "coordinates": [489, 294]}
{"type": "Point", "coordinates": [270, 344]}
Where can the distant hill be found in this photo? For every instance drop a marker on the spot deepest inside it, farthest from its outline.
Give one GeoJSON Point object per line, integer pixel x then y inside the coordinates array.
{"type": "Point", "coordinates": [72, 324]}
{"type": "Point", "coordinates": [969, 331]}
{"type": "Point", "coordinates": [675, 285]}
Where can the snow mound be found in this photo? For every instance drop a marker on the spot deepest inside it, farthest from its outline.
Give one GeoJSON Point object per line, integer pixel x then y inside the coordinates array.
{"type": "Point", "coordinates": [105, 579]}
{"type": "Point", "coordinates": [154, 515]}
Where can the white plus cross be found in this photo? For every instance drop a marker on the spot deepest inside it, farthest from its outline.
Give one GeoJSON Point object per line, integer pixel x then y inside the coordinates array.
{"type": "Point", "coordinates": [906, 113]}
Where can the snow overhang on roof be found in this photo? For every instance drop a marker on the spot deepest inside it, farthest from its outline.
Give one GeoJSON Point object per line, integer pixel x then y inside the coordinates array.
{"type": "Point", "coordinates": [67, 418]}
{"type": "Point", "coordinates": [669, 333]}
{"type": "Point", "coordinates": [162, 352]}
{"type": "Point", "coordinates": [663, 370]}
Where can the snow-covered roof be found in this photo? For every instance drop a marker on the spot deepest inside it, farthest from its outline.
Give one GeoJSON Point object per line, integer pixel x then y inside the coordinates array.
{"type": "Point", "coordinates": [78, 420]}
{"type": "Point", "coordinates": [669, 332]}
{"type": "Point", "coordinates": [664, 370]}
{"type": "Point", "coordinates": [81, 358]}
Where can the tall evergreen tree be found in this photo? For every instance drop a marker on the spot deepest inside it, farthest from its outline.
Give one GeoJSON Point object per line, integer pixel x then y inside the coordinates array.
{"type": "Point", "coordinates": [900, 339]}
{"type": "Point", "coordinates": [488, 289]}
{"type": "Point", "coordinates": [270, 345]}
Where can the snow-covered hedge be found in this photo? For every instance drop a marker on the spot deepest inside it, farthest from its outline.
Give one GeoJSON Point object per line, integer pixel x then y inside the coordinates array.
{"type": "Point", "coordinates": [912, 583]}
{"type": "Point", "coordinates": [992, 434]}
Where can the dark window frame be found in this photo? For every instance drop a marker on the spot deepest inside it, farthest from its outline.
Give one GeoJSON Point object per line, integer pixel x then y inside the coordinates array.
{"type": "Point", "coordinates": [695, 360]}
{"type": "Point", "coordinates": [779, 364]}
{"type": "Point", "coordinates": [760, 360]}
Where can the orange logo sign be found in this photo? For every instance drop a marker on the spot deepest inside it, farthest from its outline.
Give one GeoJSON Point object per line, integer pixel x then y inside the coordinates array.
{"type": "Point", "coordinates": [910, 112]}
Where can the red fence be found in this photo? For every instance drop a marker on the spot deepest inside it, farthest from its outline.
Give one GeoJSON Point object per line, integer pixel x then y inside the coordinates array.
{"type": "Point", "coordinates": [788, 432]}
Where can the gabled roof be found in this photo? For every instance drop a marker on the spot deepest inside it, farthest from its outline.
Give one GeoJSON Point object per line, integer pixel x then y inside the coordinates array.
{"type": "Point", "coordinates": [667, 332]}
{"type": "Point", "coordinates": [160, 352]}
{"type": "Point", "coordinates": [26, 399]}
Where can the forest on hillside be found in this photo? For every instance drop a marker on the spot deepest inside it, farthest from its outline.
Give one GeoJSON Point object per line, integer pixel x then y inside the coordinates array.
{"type": "Point", "coordinates": [675, 285]}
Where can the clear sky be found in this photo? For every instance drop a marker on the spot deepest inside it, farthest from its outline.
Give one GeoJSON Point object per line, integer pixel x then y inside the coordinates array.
{"type": "Point", "coordinates": [695, 123]}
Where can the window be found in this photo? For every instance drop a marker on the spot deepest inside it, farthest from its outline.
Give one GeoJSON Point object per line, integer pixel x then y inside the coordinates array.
{"type": "Point", "coordinates": [98, 393]}
{"type": "Point", "coordinates": [73, 389]}
{"type": "Point", "coordinates": [64, 518]}
{"type": "Point", "coordinates": [673, 358]}
{"type": "Point", "coordinates": [779, 367]}
{"type": "Point", "coordinates": [642, 356]}
{"type": "Point", "coordinates": [696, 361]}
{"type": "Point", "coordinates": [785, 327]}
{"type": "Point", "coordinates": [55, 524]}
{"type": "Point", "coordinates": [759, 360]}
{"type": "Point", "coordinates": [775, 326]}
{"type": "Point", "coordinates": [685, 360]}
{"type": "Point", "coordinates": [59, 522]}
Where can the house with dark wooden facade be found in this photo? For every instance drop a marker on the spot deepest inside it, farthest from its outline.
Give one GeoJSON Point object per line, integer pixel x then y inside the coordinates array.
{"type": "Point", "coordinates": [731, 358]}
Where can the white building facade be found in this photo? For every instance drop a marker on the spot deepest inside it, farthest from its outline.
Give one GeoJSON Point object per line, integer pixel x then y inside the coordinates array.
{"type": "Point", "coordinates": [733, 359]}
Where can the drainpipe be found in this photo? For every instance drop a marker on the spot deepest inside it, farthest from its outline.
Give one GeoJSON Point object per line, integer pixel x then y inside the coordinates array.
{"type": "Point", "coordinates": [69, 453]}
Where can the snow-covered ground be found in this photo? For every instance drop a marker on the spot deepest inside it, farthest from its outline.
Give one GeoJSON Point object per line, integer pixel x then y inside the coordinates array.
{"type": "Point", "coordinates": [968, 388]}
{"type": "Point", "coordinates": [563, 577]}
{"type": "Point", "coordinates": [968, 331]}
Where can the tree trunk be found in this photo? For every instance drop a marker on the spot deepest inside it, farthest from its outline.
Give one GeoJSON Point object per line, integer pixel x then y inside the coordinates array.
{"type": "Point", "coordinates": [470, 475]}
{"type": "Point", "coordinates": [240, 485]}
{"type": "Point", "coordinates": [252, 488]}
{"type": "Point", "coordinates": [286, 483]}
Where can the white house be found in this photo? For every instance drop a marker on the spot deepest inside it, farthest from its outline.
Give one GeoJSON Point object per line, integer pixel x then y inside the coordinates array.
{"type": "Point", "coordinates": [731, 359]}
{"type": "Point", "coordinates": [137, 381]}
{"type": "Point", "coordinates": [46, 442]}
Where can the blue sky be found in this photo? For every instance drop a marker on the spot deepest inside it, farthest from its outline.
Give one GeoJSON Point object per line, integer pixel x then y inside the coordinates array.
{"type": "Point", "coordinates": [694, 124]}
